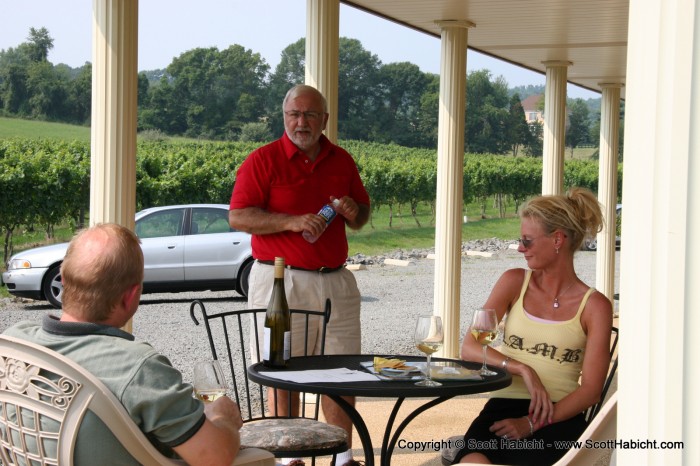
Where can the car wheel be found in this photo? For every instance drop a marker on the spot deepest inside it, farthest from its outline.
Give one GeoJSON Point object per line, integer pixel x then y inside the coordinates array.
{"type": "Point", "coordinates": [590, 244]}
{"type": "Point", "coordinates": [243, 276]}
{"type": "Point", "coordinates": [52, 287]}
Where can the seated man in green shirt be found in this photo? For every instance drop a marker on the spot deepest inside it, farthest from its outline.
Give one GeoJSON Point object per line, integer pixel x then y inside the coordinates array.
{"type": "Point", "coordinates": [102, 275]}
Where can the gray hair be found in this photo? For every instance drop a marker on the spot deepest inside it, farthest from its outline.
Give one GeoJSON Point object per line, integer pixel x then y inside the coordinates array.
{"type": "Point", "coordinates": [304, 89]}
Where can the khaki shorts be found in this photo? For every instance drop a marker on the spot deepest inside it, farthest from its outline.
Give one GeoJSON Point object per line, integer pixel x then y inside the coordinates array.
{"type": "Point", "coordinates": [309, 290]}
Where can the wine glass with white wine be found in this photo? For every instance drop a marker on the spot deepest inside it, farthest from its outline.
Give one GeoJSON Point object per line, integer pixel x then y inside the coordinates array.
{"type": "Point", "coordinates": [209, 382]}
{"type": "Point", "coordinates": [429, 339]}
{"type": "Point", "coordinates": [484, 329]}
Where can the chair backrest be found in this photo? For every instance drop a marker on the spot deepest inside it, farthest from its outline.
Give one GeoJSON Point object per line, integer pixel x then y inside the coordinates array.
{"type": "Point", "coordinates": [44, 397]}
{"type": "Point", "coordinates": [593, 410]}
{"type": "Point", "coordinates": [230, 334]}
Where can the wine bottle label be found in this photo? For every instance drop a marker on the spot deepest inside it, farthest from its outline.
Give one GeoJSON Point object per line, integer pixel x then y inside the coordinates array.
{"type": "Point", "coordinates": [267, 340]}
{"type": "Point", "coordinates": [287, 346]}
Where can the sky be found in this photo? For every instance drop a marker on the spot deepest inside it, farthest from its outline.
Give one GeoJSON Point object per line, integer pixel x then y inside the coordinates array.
{"type": "Point", "coordinates": [168, 28]}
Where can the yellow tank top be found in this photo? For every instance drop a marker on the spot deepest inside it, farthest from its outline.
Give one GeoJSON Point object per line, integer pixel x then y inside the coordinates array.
{"type": "Point", "coordinates": [554, 350]}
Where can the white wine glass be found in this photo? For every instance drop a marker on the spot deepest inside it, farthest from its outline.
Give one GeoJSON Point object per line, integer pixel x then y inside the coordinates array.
{"type": "Point", "coordinates": [428, 339]}
{"type": "Point", "coordinates": [484, 329]}
{"type": "Point", "coordinates": [209, 382]}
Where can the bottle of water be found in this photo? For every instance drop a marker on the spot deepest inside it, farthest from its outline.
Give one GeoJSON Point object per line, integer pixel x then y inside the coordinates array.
{"type": "Point", "coordinates": [328, 213]}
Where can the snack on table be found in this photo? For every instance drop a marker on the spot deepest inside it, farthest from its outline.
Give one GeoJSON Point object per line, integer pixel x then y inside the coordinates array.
{"type": "Point", "coordinates": [383, 363]}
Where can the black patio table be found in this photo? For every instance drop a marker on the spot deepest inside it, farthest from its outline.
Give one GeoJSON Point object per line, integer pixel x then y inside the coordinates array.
{"type": "Point", "coordinates": [380, 389]}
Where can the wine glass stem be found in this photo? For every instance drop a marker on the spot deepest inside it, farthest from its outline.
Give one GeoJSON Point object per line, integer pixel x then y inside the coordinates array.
{"type": "Point", "coordinates": [427, 365]}
{"type": "Point", "coordinates": [483, 367]}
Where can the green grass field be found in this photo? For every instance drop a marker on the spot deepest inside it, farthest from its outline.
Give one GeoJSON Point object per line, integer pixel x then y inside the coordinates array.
{"type": "Point", "coordinates": [15, 127]}
{"type": "Point", "coordinates": [377, 237]}
{"type": "Point", "coordinates": [580, 153]}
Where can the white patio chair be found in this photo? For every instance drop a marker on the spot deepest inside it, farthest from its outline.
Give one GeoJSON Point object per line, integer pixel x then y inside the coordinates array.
{"type": "Point", "coordinates": [44, 397]}
{"type": "Point", "coordinates": [603, 427]}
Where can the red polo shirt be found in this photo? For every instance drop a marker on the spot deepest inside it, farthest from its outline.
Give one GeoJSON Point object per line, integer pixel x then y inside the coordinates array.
{"type": "Point", "coordinates": [279, 178]}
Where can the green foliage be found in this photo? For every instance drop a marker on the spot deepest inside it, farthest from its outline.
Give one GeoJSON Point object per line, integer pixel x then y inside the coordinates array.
{"type": "Point", "coordinates": [152, 135]}
{"type": "Point", "coordinates": [39, 44]}
{"type": "Point", "coordinates": [358, 92]}
{"type": "Point", "coordinates": [401, 86]}
{"type": "Point", "coordinates": [527, 90]}
{"type": "Point", "coordinates": [208, 93]}
{"type": "Point", "coordinates": [581, 173]}
{"type": "Point", "coordinates": [31, 87]}
{"type": "Point", "coordinates": [535, 145]}
{"type": "Point", "coordinates": [487, 114]}
{"type": "Point", "coordinates": [256, 132]}
{"type": "Point", "coordinates": [289, 72]}
{"type": "Point", "coordinates": [186, 172]}
{"type": "Point", "coordinates": [517, 130]}
{"type": "Point", "coordinates": [577, 132]}
{"type": "Point", "coordinates": [48, 180]}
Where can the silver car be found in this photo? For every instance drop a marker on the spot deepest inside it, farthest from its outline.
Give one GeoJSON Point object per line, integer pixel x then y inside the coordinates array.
{"type": "Point", "coordinates": [185, 248]}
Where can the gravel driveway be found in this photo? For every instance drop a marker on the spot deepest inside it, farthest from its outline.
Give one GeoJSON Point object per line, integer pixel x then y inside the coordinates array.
{"type": "Point", "coordinates": [392, 298]}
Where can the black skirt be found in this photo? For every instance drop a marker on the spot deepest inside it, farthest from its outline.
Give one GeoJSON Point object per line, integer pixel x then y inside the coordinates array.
{"type": "Point", "coordinates": [537, 450]}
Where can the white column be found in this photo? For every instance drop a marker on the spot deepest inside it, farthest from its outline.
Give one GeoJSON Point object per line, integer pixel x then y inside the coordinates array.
{"type": "Point", "coordinates": [607, 187]}
{"type": "Point", "coordinates": [113, 130]}
{"type": "Point", "coordinates": [448, 224]}
{"type": "Point", "coordinates": [113, 126]}
{"type": "Point", "coordinates": [660, 255]}
{"type": "Point", "coordinates": [554, 127]}
{"type": "Point", "coordinates": [322, 30]}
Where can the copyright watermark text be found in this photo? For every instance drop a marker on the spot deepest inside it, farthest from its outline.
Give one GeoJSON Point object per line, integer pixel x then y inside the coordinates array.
{"type": "Point", "coordinates": [430, 445]}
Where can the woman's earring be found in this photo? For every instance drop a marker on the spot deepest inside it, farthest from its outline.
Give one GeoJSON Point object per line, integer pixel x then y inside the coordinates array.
{"type": "Point", "coordinates": [557, 249]}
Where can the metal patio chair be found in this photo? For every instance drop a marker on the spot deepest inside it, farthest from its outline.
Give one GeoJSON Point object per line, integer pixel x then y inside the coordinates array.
{"type": "Point", "coordinates": [229, 334]}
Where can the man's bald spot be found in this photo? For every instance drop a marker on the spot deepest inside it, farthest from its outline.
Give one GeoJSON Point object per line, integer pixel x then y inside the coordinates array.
{"type": "Point", "coordinates": [90, 244]}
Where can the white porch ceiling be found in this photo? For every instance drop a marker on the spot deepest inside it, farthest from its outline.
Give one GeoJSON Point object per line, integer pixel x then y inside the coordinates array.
{"type": "Point", "coordinates": [591, 34]}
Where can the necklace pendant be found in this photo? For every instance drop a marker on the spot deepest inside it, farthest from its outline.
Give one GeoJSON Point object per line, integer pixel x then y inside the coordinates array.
{"type": "Point", "coordinates": [556, 303]}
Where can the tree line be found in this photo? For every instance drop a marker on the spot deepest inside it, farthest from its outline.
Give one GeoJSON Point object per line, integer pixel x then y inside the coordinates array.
{"type": "Point", "coordinates": [48, 181]}
{"type": "Point", "coordinates": [232, 95]}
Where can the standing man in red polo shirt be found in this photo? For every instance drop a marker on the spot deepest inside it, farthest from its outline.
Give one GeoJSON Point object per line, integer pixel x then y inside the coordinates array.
{"type": "Point", "coordinates": [278, 191]}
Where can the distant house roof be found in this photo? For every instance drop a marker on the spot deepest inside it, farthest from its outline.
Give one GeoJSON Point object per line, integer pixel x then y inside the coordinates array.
{"type": "Point", "coordinates": [530, 104]}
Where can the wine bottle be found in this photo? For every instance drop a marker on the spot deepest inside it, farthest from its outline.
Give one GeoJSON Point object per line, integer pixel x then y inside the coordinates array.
{"type": "Point", "coordinates": [276, 332]}
{"type": "Point", "coordinates": [328, 213]}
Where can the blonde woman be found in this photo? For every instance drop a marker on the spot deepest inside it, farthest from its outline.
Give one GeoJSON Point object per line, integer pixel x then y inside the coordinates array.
{"type": "Point", "coordinates": [557, 330]}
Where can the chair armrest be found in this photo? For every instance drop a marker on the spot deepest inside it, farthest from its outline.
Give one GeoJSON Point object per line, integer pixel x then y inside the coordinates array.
{"type": "Point", "coordinates": [254, 457]}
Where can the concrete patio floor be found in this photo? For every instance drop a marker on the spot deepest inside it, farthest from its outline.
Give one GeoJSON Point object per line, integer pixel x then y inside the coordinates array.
{"type": "Point", "coordinates": [434, 425]}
